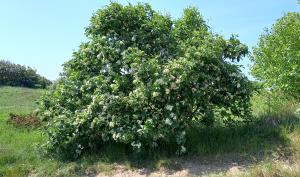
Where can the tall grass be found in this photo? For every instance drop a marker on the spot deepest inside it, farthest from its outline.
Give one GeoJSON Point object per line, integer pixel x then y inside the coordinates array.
{"type": "Point", "coordinates": [274, 104]}
{"type": "Point", "coordinates": [17, 154]}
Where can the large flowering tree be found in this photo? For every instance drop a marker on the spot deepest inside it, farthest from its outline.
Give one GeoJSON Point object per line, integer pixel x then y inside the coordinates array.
{"type": "Point", "coordinates": [141, 79]}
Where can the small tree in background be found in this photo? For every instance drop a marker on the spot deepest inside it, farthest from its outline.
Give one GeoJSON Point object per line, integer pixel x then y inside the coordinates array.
{"type": "Point", "coordinates": [141, 79]}
{"type": "Point", "coordinates": [277, 56]}
{"type": "Point", "coordinates": [22, 76]}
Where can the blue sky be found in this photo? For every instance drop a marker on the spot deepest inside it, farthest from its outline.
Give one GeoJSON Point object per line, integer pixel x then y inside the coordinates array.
{"type": "Point", "coordinates": [43, 34]}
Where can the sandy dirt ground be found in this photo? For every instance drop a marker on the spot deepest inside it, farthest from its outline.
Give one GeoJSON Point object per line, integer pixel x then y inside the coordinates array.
{"type": "Point", "coordinates": [190, 167]}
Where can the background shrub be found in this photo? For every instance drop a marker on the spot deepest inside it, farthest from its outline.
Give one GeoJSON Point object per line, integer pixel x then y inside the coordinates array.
{"type": "Point", "coordinates": [18, 75]}
{"type": "Point", "coordinates": [142, 79]}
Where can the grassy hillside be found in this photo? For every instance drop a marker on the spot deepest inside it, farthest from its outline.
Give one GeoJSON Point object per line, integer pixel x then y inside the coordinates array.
{"type": "Point", "coordinates": [270, 146]}
{"type": "Point", "coordinates": [17, 154]}
{"type": "Point", "coordinates": [19, 100]}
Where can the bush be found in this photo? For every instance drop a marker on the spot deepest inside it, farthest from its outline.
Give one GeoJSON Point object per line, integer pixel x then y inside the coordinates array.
{"type": "Point", "coordinates": [142, 79]}
{"type": "Point", "coordinates": [18, 75]}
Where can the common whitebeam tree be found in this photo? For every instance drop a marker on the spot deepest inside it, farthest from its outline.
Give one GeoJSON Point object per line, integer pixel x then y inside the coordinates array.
{"type": "Point", "coordinates": [142, 79]}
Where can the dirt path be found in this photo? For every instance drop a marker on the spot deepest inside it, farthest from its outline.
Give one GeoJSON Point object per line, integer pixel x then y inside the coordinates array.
{"type": "Point", "coordinates": [232, 166]}
{"type": "Point", "coordinates": [196, 171]}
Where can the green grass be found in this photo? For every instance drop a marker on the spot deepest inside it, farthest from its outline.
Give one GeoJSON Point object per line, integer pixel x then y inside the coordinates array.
{"type": "Point", "coordinates": [18, 100]}
{"type": "Point", "coordinates": [17, 154]}
{"type": "Point", "coordinates": [19, 147]}
{"type": "Point", "coordinates": [20, 155]}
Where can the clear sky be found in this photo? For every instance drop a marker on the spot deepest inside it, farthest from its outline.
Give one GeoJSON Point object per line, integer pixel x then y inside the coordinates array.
{"type": "Point", "coordinates": [43, 34]}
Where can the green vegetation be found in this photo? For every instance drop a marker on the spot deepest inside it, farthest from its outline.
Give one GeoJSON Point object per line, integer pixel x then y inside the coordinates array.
{"type": "Point", "coordinates": [264, 140]}
{"type": "Point", "coordinates": [17, 154]}
{"type": "Point", "coordinates": [20, 76]}
{"type": "Point", "coordinates": [143, 79]}
{"type": "Point", "coordinates": [277, 55]}
{"type": "Point", "coordinates": [19, 147]}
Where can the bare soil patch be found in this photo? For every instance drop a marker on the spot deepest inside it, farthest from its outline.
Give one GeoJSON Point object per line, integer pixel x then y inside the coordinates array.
{"type": "Point", "coordinates": [28, 121]}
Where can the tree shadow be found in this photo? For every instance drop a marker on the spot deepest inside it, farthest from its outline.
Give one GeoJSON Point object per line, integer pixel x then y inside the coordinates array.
{"type": "Point", "coordinates": [211, 150]}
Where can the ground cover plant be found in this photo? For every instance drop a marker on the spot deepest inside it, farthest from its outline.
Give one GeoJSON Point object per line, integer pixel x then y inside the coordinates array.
{"type": "Point", "coordinates": [17, 152]}
{"type": "Point", "coordinates": [142, 79]}
{"type": "Point", "coordinates": [17, 75]}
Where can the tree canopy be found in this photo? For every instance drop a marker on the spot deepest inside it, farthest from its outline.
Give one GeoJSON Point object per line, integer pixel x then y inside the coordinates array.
{"type": "Point", "coordinates": [22, 76]}
{"type": "Point", "coordinates": [142, 79]}
{"type": "Point", "coordinates": [277, 55]}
